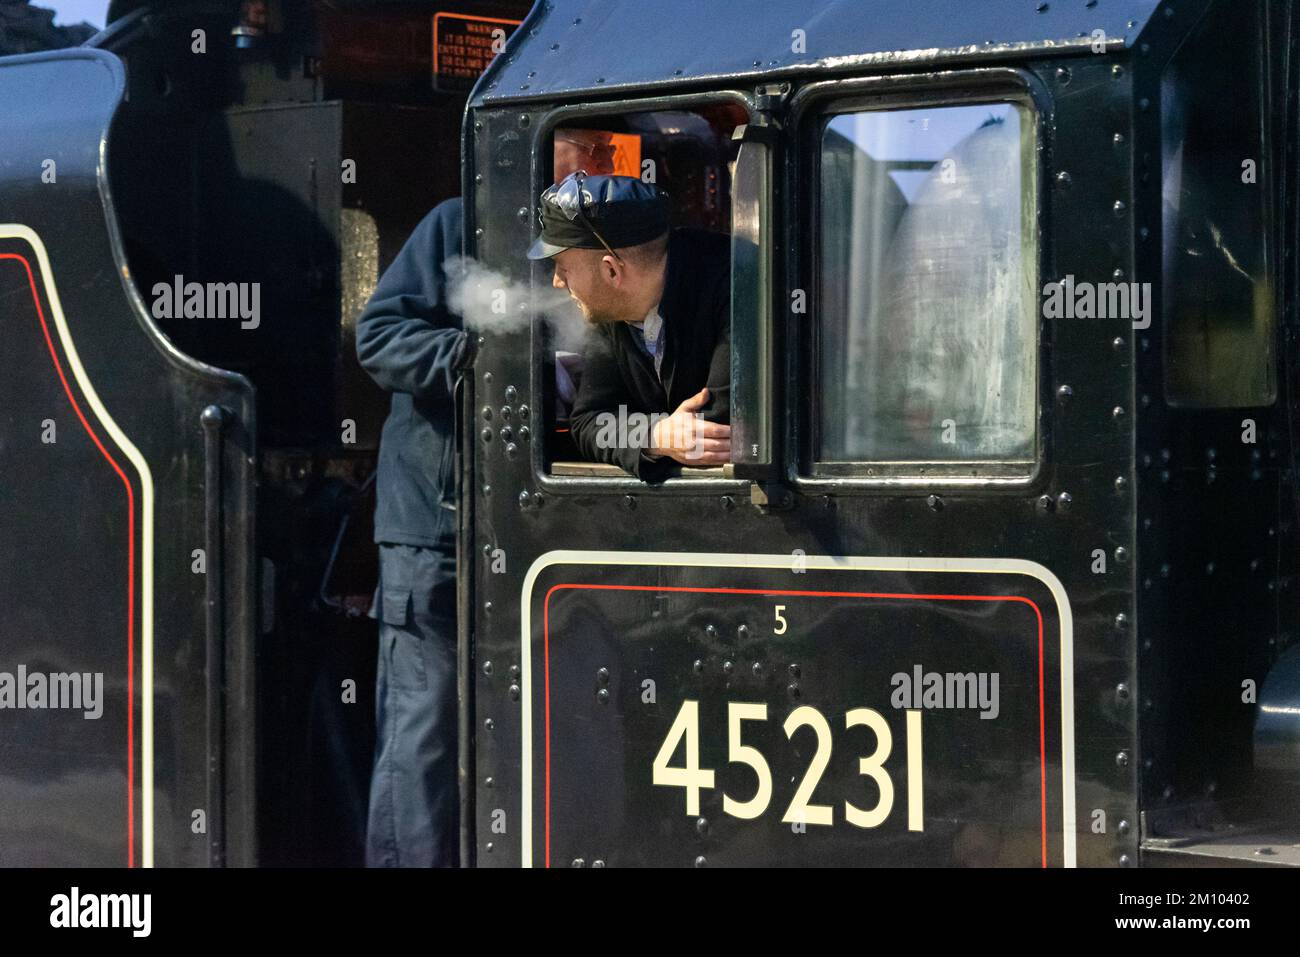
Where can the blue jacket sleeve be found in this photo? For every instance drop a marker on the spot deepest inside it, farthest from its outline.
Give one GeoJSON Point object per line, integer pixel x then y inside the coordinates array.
{"type": "Point", "coordinates": [407, 337]}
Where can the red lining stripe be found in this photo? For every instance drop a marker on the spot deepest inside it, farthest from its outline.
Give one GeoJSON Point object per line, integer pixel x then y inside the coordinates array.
{"type": "Point", "coordinates": [1042, 719]}
{"type": "Point", "coordinates": [130, 573]}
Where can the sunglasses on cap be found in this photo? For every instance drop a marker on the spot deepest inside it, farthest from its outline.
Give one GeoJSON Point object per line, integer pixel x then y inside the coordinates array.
{"type": "Point", "coordinates": [567, 197]}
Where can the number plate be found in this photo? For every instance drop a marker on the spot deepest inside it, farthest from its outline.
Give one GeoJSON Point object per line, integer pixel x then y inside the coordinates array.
{"type": "Point", "coordinates": [779, 710]}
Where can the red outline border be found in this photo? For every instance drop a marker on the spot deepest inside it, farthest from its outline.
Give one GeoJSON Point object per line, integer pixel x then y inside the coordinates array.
{"type": "Point", "coordinates": [130, 574]}
{"type": "Point", "coordinates": [1042, 720]}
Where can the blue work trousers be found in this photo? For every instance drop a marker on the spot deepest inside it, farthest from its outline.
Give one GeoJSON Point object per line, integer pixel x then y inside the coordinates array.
{"type": "Point", "coordinates": [414, 806]}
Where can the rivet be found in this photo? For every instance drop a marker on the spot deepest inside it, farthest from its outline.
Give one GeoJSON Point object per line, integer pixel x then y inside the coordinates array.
{"type": "Point", "coordinates": [793, 690]}
{"type": "Point", "coordinates": [1121, 692]}
{"type": "Point", "coordinates": [1209, 568]}
{"type": "Point", "coordinates": [597, 863]}
{"type": "Point", "coordinates": [524, 433]}
{"type": "Point", "coordinates": [1123, 827]}
{"type": "Point", "coordinates": [1165, 570]}
{"type": "Point", "coordinates": [702, 826]}
{"type": "Point", "coordinates": [1063, 76]}
{"type": "Point", "coordinates": [1121, 554]}
{"type": "Point", "coordinates": [487, 378]}
{"type": "Point", "coordinates": [603, 676]}
{"type": "Point", "coordinates": [507, 434]}
{"type": "Point", "coordinates": [711, 631]}
{"type": "Point", "coordinates": [1045, 503]}
{"type": "Point", "coordinates": [757, 669]}
{"type": "Point", "coordinates": [1064, 501]}
{"type": "Point", "coordinates": [1117, 139]}
{"type": "Point", "coordinates": [511, 394]}
{"type": "Point", "coordinates": [1265, 851]}
{"type": "Point", "coordinates": [487, 606]}
{"type": "Point", "coordinates": [514, 692]}
{"type": "Point", "coordinates": [487, 488]}
{"type": "Point", "coordinates": [1121, 759]}
{"type": "Point", "coordinates": [525, 500]}
{"type": "Point", "coordinates": [486, 435]}
{"type": "Point", "coordinates": [1125, 861]}
{"type": "Point", "coordinates": [603, 696]}
{"type": "Point", "coordinates": [506, 412]}
{"type": "Point", "coordinates": [513, 672]}
{"type": "Point", "coordinates": [511, 450]}
{"type": "Point", "coordinates": [524, 413]}
{"type": "Point", "coordinates": [935, 503]}
{"type": "Point", "coordinates": [488, 782]}
{"type": "Point", "coordinates": [742, 632]}
{"type": "Point", "coordinates": [487, 667]}
{"type": "Point", "coordinates": [1121, 621]}
{"type": "Point", "coordinates": [727, 667]}
{"type": "Point", "coordinates": [1063, 179]}
{"type": "Point", "coordinates": [1121, 483]}
{"type": "Point", "coordinates": [728, 503]}
{"type": "Point", "coordinates": [629, 501]}
{"type": "Point", "coordinates": [1042, 7]}
{"type": "Point", "coordinates": [487, 413]}
{"type": "Point", "coordinates": [1117, 343]}
{"type": "Point", "coordinates": [488, 847]}
{"type": "Point", "coordinates": [698, 666]}
{"type": "Point", "coordinates": [578, 862]}
{"type": "Point", "coordinates": [1064, 392]}
{"type": "Point", "coordinates": [538, 499]}
{"type": "Point", "coordinates": [489, 724]}
{"type": "Point", "coordinates": [794, 670]}
{"type": "Point", "coordinates": [700, 861]}
{"type": "Point", "coordinates": [522, 214]}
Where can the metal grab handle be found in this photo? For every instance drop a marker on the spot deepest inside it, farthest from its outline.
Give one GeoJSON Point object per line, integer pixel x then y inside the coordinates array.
{"type": "Point", "coordinates": [213, 419]}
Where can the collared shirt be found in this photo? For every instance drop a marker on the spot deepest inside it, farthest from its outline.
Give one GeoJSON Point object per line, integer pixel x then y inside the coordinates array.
{"type": "Point", "coordinates": [650, 336]}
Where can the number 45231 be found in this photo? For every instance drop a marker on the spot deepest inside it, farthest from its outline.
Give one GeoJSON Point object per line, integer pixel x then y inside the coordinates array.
{"type": "Point", "coordinates": [694, 778]}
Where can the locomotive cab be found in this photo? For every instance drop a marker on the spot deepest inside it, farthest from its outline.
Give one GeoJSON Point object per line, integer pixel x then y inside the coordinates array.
{"type": "Point", "coordinates": [1010, 364]}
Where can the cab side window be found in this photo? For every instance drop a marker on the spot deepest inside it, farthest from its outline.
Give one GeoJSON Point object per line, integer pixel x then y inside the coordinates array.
{"type": "Point", "coordinates": [1220, 304]}
{"type": "Point", "coordinates": [927, 273]}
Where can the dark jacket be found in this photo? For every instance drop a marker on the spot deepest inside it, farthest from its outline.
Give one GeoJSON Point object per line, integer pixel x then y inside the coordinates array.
{"type": "Point", "coordinates": [413, 346]}
{"type": "Point", "coordinates": [696, 311]}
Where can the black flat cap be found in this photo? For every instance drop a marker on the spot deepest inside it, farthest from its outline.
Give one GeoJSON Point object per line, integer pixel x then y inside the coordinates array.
{"type": "Point", "coordinates": [581, 210]}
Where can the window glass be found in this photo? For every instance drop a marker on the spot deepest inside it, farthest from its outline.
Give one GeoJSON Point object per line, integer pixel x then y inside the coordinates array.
{"type": "Point", "coordinates": [927, 286]}
{"type": "Point", "coordinates": [1218, 292]}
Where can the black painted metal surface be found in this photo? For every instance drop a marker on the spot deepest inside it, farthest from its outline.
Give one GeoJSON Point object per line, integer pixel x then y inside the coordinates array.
{"type": "Point", "coordinates": [102, 526]}
{"type": "Point", "coordinates": [580, 47]}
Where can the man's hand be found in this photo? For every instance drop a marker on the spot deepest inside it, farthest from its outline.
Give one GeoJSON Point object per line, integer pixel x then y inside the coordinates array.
{"type": "Point", "coordinates": [686, 437]}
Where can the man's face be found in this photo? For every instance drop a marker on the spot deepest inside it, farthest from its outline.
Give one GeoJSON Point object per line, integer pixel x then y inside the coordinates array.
{"type": "Point", "coordinates": [587, 278]}
{"type": "Point", "coordinates": [588, 150]}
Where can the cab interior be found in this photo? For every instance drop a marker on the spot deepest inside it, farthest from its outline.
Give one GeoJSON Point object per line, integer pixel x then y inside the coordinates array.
{"type": "Point", "coordinates": [296, 147]}
{"type": "Point", "coordinates": [689, 154]}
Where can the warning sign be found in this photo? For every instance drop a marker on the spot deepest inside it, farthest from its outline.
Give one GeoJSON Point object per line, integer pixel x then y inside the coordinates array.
{"type": "Point", "coordinates": [463, 46]}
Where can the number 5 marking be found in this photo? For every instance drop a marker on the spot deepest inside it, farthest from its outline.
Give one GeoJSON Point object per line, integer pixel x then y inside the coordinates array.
{"type": "Point", "coordinates": [738, 753]}
{"type": "Point", "coordinates": [780, 621]}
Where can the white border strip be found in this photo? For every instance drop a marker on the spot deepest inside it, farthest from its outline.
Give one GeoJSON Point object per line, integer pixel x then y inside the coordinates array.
{"type": "Point", "coordinates": [16, 231]}
{"type": "Point", "coordinates": [996, 566]}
